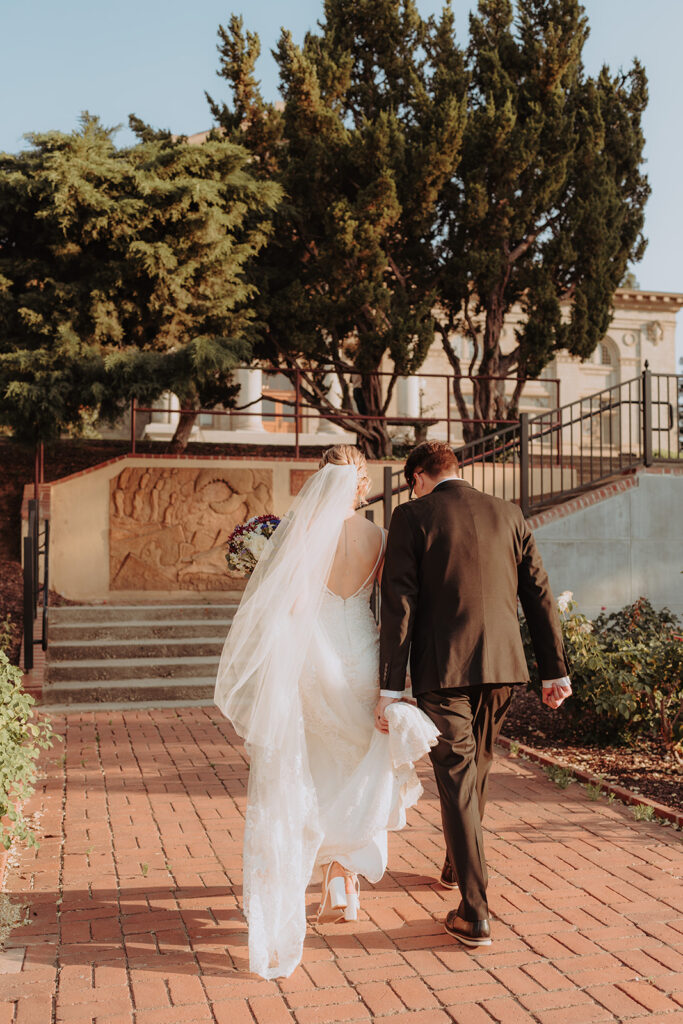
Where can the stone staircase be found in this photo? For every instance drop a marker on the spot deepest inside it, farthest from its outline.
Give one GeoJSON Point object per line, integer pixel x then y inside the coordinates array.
{"type": "Point", "coordinates": [134, 653]}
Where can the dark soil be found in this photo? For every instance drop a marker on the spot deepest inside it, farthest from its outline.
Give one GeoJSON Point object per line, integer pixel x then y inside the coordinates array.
{"type": "Point", "coordinates": [648, 769]}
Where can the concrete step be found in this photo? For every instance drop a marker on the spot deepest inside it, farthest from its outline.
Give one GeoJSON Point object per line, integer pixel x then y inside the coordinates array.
{"type": "Point", "coordinates": [188, 647]}
{"type": "Point", "coordinates": [129, 654]}
{"type": "Point", "coordinates": [155, 690]}
{"type": "Point", "coordinates": [111, 613]}
{"type": "Point", "coordinates": [90, 632]}
{"type": "Point", "coordinates": [93, 669]}
{"type": "Point", "coordinates": [122, 705]}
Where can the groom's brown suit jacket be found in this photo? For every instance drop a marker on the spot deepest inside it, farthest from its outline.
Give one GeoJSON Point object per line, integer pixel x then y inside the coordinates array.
{"type": "Point", "coordinates": [456, 562]}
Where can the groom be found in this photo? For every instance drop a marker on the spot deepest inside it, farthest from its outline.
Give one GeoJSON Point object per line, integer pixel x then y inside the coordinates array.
{"type": "Point", "coordinates": [456, 562]}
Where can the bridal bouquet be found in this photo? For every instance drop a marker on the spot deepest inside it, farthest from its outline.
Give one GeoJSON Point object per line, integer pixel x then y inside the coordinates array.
{"type": "Point", "coordinates": [248, 541]}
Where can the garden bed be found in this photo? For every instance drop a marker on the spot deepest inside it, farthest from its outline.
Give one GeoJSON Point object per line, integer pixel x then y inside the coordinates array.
{"type": "Point", "coordinates": [647, 769]}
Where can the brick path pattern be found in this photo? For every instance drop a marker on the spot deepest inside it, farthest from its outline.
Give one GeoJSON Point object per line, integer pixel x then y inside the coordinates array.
{"type": "Point", "coordinates": [133, 900]}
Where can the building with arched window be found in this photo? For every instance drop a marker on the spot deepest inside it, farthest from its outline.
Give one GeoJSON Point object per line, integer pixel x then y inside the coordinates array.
{"type": "Point", "coordinates": [642, 330]}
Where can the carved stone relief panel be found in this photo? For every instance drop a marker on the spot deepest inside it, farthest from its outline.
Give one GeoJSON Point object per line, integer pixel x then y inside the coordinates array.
{"type": "Point", "coordinates": [168, 528]}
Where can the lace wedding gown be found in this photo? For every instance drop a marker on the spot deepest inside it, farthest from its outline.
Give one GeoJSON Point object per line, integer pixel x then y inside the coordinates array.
{"type": "Point", "coordinates": [338, 691]}
{"type": "Point", "coordinates": [300, 682]}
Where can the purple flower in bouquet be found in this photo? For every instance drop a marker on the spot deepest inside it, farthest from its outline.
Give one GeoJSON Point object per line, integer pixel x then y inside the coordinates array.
{"type": "Point", "coordinates": [248, 542]}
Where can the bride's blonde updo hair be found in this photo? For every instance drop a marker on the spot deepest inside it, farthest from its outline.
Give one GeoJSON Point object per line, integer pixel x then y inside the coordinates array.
{"type": "Point", "coordinates": [347, 455]}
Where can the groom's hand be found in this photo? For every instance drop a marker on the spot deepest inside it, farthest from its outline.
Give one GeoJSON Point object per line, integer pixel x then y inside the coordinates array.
{"type": "Point", "coordinates": [383, 703]}
{"type": "Point", "coordinates": [556, 692]}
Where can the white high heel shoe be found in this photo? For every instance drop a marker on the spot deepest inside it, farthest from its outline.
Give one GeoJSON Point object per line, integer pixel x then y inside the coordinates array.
{"type": "Point", "coordinates": [353, 901]}
{"type": "Point", "coordinates": [334, 890]}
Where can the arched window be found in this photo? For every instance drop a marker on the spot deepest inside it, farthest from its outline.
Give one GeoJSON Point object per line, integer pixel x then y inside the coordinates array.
{"type": "Point", "coordinates": [604, 355]}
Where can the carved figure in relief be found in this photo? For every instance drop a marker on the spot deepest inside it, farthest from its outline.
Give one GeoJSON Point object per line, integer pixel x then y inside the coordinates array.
{"type": "Point", "coordinates": [168, 527]}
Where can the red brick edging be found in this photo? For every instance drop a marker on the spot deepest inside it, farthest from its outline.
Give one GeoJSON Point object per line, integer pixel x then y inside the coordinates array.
{"type": "Point", "coordinates": [625, 795]}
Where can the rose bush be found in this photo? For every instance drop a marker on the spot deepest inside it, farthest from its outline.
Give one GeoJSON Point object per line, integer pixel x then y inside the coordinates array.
{"type": "Point", "coordinates": [626, 671]}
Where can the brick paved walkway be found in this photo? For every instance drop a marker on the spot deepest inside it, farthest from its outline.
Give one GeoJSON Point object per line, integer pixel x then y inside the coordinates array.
{"type": "Point", "coordinates": [135, 918]}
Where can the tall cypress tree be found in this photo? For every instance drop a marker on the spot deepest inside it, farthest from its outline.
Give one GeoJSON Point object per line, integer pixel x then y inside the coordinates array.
{"type": "Point", "coordinates": [547, 206]}
{"type": "Point", "coordinates": [366, 136]}
{"type": "Point", "coordinates": [123, 274]}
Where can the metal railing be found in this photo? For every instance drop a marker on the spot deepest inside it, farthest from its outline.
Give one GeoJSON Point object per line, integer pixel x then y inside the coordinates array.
{"type": "Point", "coordinates": [33, 550]}
{"type": "Point", "coordinates": [300, 416]}
{"type": "Point", "coordinates": [558, 454]}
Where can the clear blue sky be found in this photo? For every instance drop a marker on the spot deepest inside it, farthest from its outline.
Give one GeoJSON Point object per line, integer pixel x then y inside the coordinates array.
{"type": "Point", "coordinates": [155, 58]}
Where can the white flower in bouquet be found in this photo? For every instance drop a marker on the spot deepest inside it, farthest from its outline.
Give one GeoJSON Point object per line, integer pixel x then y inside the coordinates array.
{"type": "Point", "coordinates": [248, 541]}
{"type": "Point", "coordinates": [564, 600]}
{"type": "Point", "coordinates": [256, 543]}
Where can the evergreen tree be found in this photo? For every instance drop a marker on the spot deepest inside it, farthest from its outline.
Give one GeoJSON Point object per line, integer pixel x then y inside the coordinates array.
{"type": "Point", "coordinates": [123, 274]}
{"type": "Point", "coordinates": [547, 205]}
{"type": "Point", "coordinates": [366, 136]}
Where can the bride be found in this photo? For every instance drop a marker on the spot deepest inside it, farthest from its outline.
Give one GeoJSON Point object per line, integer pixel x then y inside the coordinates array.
{"type": "Point", "coordinates": [299, 680]}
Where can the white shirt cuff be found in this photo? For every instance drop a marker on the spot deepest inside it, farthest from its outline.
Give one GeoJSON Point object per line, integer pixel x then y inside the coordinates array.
{"type": "Point", "coordinates": [396, 694]}
{"type": "Point", "coordinates": [563, 681]}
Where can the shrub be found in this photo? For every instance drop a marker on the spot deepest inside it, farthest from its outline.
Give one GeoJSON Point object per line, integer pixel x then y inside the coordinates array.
{"type": "Point", "coordinates": [626, 670]}
{"type": "Point", "coordinates": [21, 740]}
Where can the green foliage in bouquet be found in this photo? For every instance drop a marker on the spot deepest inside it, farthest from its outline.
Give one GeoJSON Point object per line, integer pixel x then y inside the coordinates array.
{"type": "Point", "coordinates": [21, 740]}
{"type": "Point", "coordinates": [626, 670]}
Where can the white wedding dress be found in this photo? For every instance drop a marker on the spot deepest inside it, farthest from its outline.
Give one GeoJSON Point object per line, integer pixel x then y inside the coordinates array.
{"type": "Point", "coordinates": [299, 679]}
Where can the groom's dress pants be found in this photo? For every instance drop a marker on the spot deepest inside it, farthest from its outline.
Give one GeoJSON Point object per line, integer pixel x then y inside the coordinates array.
{"type": "Point", "coordinates": [469, 720]}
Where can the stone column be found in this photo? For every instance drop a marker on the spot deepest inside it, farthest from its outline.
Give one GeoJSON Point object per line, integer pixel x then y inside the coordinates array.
{"type": "Point", "coordinates": [408, 397]}
{"type": "Point", "coordinates": [251, 388]}
{"type": "Point", "coordinates": [334, 395]}
{"type": "Point", "coordinates": [167, 409]}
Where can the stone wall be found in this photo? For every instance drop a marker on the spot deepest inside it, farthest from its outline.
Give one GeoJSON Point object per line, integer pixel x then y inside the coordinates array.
{"type": "Point", "coordinates": [168, 528]}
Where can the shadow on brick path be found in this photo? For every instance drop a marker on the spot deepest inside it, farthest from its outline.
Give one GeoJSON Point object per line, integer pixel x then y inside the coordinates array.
{"type": "Point", "coordinates": [133, 900]}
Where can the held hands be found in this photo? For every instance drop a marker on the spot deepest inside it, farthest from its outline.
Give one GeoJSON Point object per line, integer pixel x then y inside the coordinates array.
{"type": "Point", "coordinates": [556, 693]}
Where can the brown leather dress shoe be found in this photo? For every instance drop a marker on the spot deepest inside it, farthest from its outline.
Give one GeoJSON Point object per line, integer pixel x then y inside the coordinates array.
{"type": "Point", "coordinates": [448, 879]}
{"type": "Point", "coordinates": [471, 933]}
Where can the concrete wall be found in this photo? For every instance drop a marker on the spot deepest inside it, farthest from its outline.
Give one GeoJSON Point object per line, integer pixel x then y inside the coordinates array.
{"type": "Point", "coordinates": [616, 549]}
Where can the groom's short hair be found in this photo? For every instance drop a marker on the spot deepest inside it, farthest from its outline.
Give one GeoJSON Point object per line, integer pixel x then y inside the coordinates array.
{"type": "Point", "coordinates": [433, 458]}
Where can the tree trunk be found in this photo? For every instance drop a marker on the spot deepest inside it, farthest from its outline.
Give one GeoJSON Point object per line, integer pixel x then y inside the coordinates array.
{"type": "Point", "coordinates": [377, 443]}
{"type": "Point", "coordinates": [468, 433]}
{"type": "Point", "coordinates": [186, 422]}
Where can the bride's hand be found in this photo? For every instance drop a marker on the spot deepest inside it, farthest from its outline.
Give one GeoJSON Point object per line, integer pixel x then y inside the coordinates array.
{"type": "Point", "coordinates": [383, 703]}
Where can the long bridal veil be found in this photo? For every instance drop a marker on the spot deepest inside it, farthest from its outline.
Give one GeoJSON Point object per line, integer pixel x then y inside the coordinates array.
{"type": "Point", "coordinates": [257, 689]}
{"type": "Point", "coordinates": [275, 639]}
{"type": "Point", "coordinates": [265, 650]}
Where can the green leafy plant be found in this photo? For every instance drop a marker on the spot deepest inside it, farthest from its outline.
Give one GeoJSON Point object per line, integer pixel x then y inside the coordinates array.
{"type": "Point", "coordinates": [593, 790]}
{"type": "Point", "coordinates": [627, 673]}
{"type": "Point", "coordinates": [643, 812]}
{"type": "Point", "coordinates": [21, 740]}
{"type": "Point", "coordinates": [562, 777]}
{"type": "Point", "coordinates": [8, 631]}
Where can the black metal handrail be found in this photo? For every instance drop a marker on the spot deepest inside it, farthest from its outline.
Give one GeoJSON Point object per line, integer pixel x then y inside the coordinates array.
{"type": "Point", "coordinates": [32, 585]}
{"type": "Point", "coordinates": [550, 457]}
